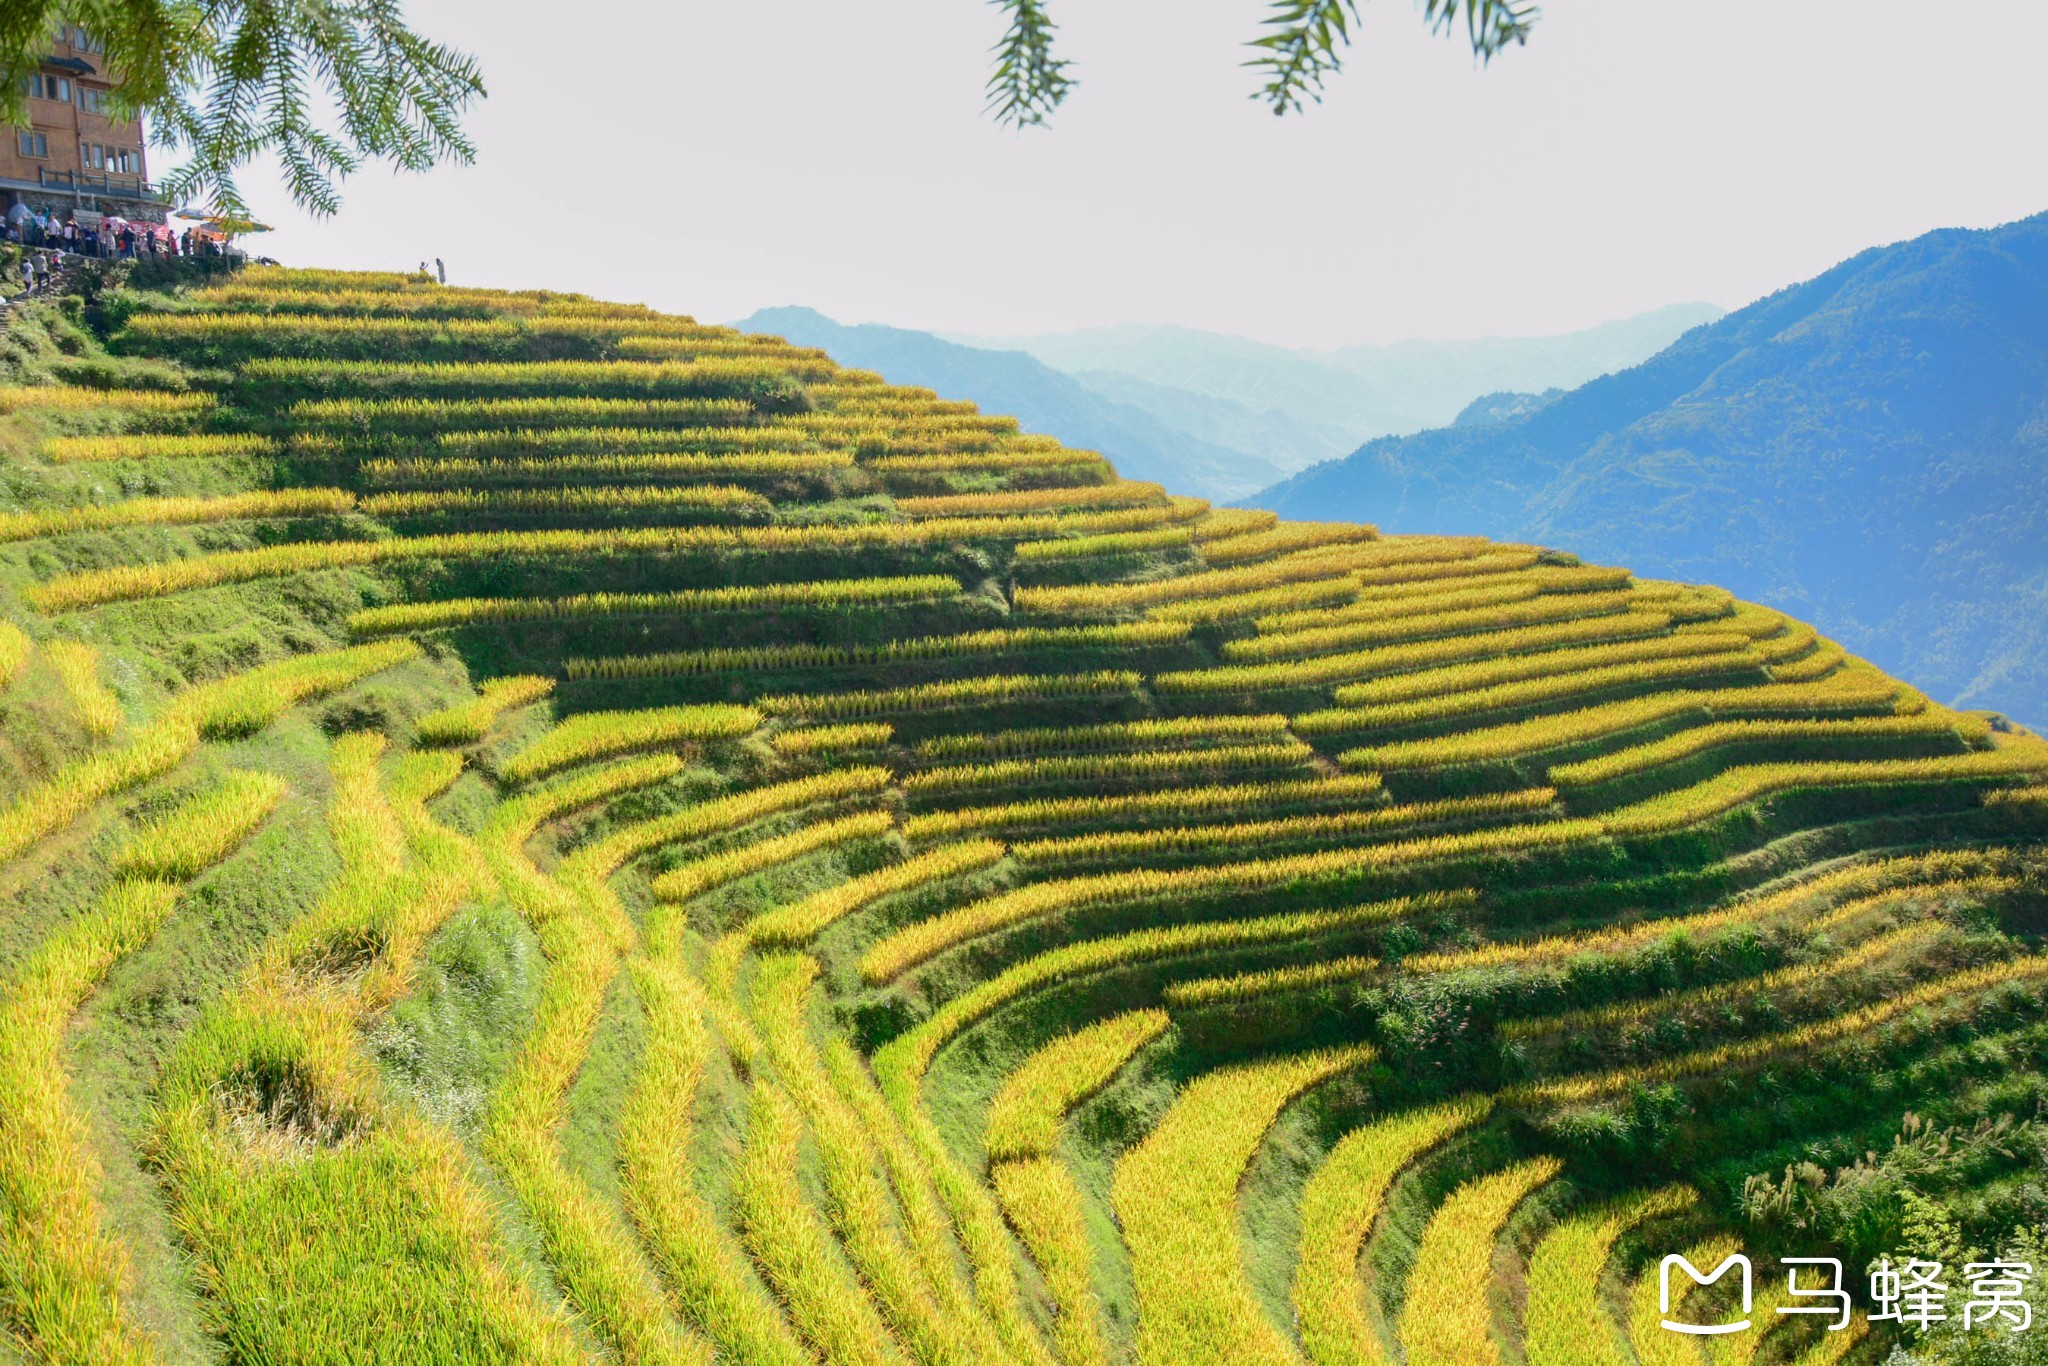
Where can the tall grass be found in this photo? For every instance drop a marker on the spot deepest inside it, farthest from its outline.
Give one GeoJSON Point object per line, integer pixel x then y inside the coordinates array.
{"type": "Point", "coordinates": [1126, 808]}
{"type": "Point", "coordinates": [465, 723]}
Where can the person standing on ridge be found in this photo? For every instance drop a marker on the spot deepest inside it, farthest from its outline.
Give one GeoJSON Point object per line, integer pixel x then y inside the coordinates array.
{"type": "Point", "coordinates": [440, 271]}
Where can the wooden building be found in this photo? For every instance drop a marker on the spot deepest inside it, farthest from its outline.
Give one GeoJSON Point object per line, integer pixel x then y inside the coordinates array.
{"type": "Point", "coordinates": [74, 158]}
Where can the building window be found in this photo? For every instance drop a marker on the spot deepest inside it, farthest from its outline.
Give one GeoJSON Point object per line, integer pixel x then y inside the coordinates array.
{"type": "Point", "coordinates": [93, 155]}
{"type": "Point", "coordinates": [131, 163]}
{"type": "Point", "coordinates": [32, 144]}
{"type": "Point", "coordinates": [47, 87]}
{"type": "Point", "coordinates": [92, 99]}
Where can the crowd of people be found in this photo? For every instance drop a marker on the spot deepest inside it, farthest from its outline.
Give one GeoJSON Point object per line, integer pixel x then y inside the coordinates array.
{"type": "Point", "coordinates": [48, 239]}
{"type": "Point", "coordinates": [109, 238]}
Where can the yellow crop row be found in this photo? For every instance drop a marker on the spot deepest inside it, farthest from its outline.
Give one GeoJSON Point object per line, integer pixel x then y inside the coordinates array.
{"type": "Point", "coordinates": [713, 817]}
{"type": "Point", "coordinates": [1148, 766]}
{"type": "Point", "coordinates": [1221, 523]}
{"type": "Point", "coordinates": [594, 734]}
{"type": "Point", "coordinates": [1528, 680]}
{"type": "Point", "coordinates": [15, 647]}
{"type": "Point", "coordinates": [235, 705]}
{"type": "Point", "coordinates": [571, 500]}
{"type": "Point", "coordinates": [1945, 991]}
{"type": "Point", "coordinates": [1819, 664]}
{"type": "Point", "coordinates": [1339, 1207]}
{"type": "Point", "coordinates": [1285, 539]}
{"type": "Point", "coordinates": [1448, 1318]}
{"type": "Point", "coordinates": [1175, 1196]}
{"type": "Point", "coordinates": [1329, 669]}
{"type": "Point", "coordinates": [202, 830]}
{"type": "Point", "coordinates": [1321, 562]}
{"type": "Point", "coordinates": [313, 502]}
{"type": "Point", "coordinates": [701, 874]}
{"type": "Point", "coordinates": [686, 1237]}
{"type": "Point", "coordinates": [853, 736]}
{"type": "Point", "coordinates": [61, 1274]}
{"type": "Point", "coordinates": [1700, 739]}
{"type": "Point", "coordinates": [65, 450]}
{"type": "Point", "coordinates": [646, 346]}
{"type": "Point", "coordinates": [1562, 1324]}
{"type": "Point", "coordinates": [914, 944]}
{"type": "Point", "coordinates": [928, 1314]}
{"type": "Point", "coordinates": [1738, 786]}
{"type": "Point", "coordinates": [1180, 731]}
{"type": "Point", "coordinates": [78, 672]}
{"type": "Point", "coordinates": [125, 582]}
{"type": "Point", "coordinates": [15, 398]}
{"type": "Point", "coordinates": [902, 1062]}
{"type": "Point", "coordinates": [617, 440]}
{"type": "Point", "coordinates": [1405, 599]}
{"type": "Point", "coordinates": [427, 616]}
{"type": "Point", "coordinates": [1136, 806]}
{"type": "Point", "coordinates": [541, 468]}
{"type": "Point", "coordinates": [644, 376]}
{"type": "Point", "coordinates": [466, 722]}
{"type": "Point", "coordinates": [1484, 564]}
{"type": "Point", "coordinates": [459, 412]}
{"type": "Point", "coordinates": [793, 1247]}
{"type": "Point", "coordinates": [1423, 625]}
{"type": "Point", "coordinates": [1119, 543]}
{"type": "Point", "coordinates": [1042, 1202]}
{"type": "Point", "coordinates": [271, 325]}
{"type": "Point", "coordinates": [1841, 967]}
{"type": "Point", "coordinates": [20, 526]}
{"type": "Point", "coordinates": [1123, 844]}
{"type": "Point", "coordinates": [1029, 500]}
{"type": "Point", "coordinates": [1024, 1117]}
{"type": "Point", "coordinates": [1244, 986]}
{"type": "Point", "coordinates": [204, 571]}
{"type": "Point", "coordinates": [1338, 587]}
{"type": "Point", "coordinates": [804, 920]}
{"type": "Point", "coordinates": [1857, 879]}
{"type": "Point", "coordinates": [1132, 635]}
{"type": "Point", "coordinates": [982, 691]}
{"type": "Point", "coordinates": [992, 459]}
{"type": "Point", "coordinates": [1521, 738]}
{"type": "Point", "coordinates": [448, 302]}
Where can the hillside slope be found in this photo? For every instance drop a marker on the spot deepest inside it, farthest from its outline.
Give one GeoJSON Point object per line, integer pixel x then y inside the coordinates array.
{"type": "Point", "coordinates": [532, 829]}
{"type": "Point", "coordinates": [1868, 449]}
{"type": "Point", "coordinates": [1040, 397]}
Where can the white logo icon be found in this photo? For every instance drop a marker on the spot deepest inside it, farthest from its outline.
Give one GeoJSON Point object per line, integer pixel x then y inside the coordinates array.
{"type": "Point", "coordinates": [1702, 1330]}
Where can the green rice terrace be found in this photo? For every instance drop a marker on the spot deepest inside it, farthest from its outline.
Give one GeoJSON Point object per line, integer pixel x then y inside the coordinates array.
{"type": "Point", "coordinates": [535, 829]}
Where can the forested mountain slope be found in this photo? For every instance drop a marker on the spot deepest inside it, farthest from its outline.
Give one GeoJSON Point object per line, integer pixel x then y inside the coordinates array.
{"type": "Point", "coordinates": [1868, 449]}
{"type": "Point", "coordinates": [535, 829]}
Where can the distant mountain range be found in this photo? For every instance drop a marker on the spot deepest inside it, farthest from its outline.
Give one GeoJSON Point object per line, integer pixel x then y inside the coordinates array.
{"type": "Point", "coordinates": [1042, 398]}
{"type": "Point", "coordinates": [1315, 405]}
{"type": "Point", "coordinates": [1868, 450]}
{"type": "Point", "coordinates": [1224, 416]}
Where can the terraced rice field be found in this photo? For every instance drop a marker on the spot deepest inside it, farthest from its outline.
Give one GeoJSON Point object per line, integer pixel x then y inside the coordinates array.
{"type": "Point", "coordinates": [535, 829]}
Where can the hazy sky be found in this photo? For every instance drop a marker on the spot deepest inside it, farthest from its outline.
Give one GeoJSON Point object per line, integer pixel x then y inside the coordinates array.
{"type": "Point", "coordinates": [714, 157]}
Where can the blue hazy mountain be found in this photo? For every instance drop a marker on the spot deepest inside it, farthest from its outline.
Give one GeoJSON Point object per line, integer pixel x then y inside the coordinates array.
{"type": "Point", "coordinates": [1868, 449]}
{"type": "Point", "coordinates": [1321, 404]}
{"type": "Point", "coordinates": [1043, 399]}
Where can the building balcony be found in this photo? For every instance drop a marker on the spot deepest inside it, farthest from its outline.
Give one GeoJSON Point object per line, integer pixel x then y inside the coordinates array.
{"type": "Point", "coordinates": [76, 183]}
